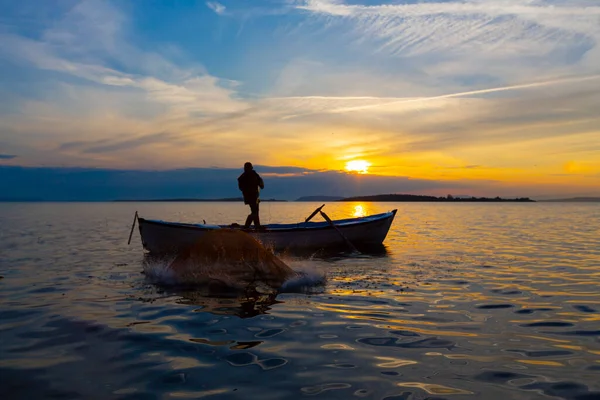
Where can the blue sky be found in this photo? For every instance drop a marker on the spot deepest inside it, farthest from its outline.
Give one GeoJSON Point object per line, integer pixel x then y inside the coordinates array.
{"type": "Point", "coordinates": [461, 92]}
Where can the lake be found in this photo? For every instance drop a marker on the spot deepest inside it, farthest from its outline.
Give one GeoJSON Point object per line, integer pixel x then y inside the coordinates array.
{"type": "Point", "coordinates": [467, 301]}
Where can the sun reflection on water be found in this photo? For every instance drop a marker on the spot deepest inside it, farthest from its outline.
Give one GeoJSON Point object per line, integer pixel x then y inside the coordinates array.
{"type": "Point", "coordinates": [359, 211]}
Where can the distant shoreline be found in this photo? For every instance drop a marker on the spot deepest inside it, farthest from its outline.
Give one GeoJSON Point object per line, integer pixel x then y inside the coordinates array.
{"type": "Point", "coordinates": [420, 198]}
{"type": "Point", "coordinates": [374, 198]}
{"type": "Point", "coordinates": [331, 199]}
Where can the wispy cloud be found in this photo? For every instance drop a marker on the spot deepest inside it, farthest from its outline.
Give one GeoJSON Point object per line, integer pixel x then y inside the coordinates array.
{"type": "Point", "coordinates": [427, 90]}
{"type": "Point", "coordinates": [92, 94]}
{"type": "Point", "coordinates": [192, 92]}
{"type": "Point", "coordinates": [474, 92]}
{"type": "Point", "coordinates": [88, 41]}
{"type": "Point", "coordinates": [7, 156]}
{"type": "Point", "coordinates": [471, 36]}
{"type": "Point", "coordinates": [460, 24]}
{"type": "Point", "coordinates": [323, 104]}
{"type": "Point", "coordinates": [216, 7]}
{"type": "Point", "coordinates": [108, 146]}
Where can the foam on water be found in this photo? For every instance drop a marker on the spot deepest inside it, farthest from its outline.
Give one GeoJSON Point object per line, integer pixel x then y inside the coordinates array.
{"type": "Point", "coordinates": [309, 278]}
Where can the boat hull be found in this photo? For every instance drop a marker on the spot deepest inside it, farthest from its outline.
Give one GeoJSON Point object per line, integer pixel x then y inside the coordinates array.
{"type": "Point", "coordinates": [169, 237]}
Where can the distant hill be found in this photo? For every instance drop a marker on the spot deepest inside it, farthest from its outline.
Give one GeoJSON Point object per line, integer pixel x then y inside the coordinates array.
{"type": "Point", "coordinates": [413, 197]}
{"type": "Point", "coordinates": [575, 200]}
{"type": "Point", "coordinates": [319, 198]}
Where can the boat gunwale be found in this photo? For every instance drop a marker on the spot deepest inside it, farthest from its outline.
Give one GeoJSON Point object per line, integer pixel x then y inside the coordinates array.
{"type": "Point", "coordinates": [322, 225]}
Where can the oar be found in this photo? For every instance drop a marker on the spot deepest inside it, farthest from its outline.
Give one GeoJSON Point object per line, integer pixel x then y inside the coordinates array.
{"type": "Point", "coordinates": [348, 242]}
{"type": "Point", "coordinates": [132, 225]}
{"type": "Point", "coordinates": [314, 213]}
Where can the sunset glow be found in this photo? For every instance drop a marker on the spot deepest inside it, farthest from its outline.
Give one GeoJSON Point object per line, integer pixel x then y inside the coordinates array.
{"type": "Point", "coordinates": [466, 98]}
{"type": "Point", "coordinates": [359, 166]}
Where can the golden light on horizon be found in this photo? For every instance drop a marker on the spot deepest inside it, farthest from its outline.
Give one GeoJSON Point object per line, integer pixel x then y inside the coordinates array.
{"type": "Point", "coordinates": [359, 211]}
{"type": "Point", "coordinates": [359, 166]}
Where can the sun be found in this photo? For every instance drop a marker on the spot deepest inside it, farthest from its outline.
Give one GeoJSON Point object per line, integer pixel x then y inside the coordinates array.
{"type": "Point", "coordinates": [359, 166]}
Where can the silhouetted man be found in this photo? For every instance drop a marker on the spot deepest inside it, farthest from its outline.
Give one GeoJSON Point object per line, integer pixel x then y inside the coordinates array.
{"type": "Point", "coordinates": [249, 183]}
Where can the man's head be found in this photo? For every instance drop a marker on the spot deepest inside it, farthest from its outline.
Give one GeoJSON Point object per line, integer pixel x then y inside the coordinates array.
{"type": "Point", "coordinates": [248, 166]}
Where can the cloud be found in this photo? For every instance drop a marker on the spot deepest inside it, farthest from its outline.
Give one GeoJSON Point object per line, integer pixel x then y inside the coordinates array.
{"type": "Point", "coordinates": [98, 83]}
{"type": "Point", "coordinates": [106, 146]}
{"type": "Point", "coordinates": [554, 108]}
{"type": "Point", "coordinates": [324, 104]}
{"type": "Point", "coordinates": [422, 90]}
{"type": "Point", "coordinates": [288, 183]}
{"type": "Point", "coordinates": [456, 39]}
{"type": "Point", "coordinates": [104, 184]}
{"type": "Point", "coordinates": [88, 41]}
{"type": "Point", "coordinates": [469, 93]}
{"type": "Point", "coordinates": [216, 7]}
{"type": "Point", "coordinates": [192, 93]}
{"type": "Point", "coordinates": [465, 167]}
{"type": "Point", "coordinates": [7, 156]}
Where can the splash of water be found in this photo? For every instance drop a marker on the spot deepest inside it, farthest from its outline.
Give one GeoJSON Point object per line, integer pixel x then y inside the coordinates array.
{"type": "Point", "coordinates": [157, 271]}
{"type": "Point", "coordinates": [309, 278]}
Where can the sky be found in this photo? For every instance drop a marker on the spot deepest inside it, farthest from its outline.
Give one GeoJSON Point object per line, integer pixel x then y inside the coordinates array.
{"type": "Point", "coordinates": [489, 97]}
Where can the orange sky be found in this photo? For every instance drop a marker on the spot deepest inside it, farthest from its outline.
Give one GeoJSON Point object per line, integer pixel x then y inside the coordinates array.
{"type": "Point", "coordinates": [497, 101]}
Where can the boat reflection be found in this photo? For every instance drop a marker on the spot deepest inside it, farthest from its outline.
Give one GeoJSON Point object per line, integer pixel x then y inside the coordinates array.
{"type": "Point", "coordinates": [341, 251]}
{"type": "Point", "coordinates": [243, 306]}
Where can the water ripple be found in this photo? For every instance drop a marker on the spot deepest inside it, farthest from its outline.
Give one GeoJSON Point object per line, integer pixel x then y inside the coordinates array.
{"type": "Point", "coordinates": [464, 301]}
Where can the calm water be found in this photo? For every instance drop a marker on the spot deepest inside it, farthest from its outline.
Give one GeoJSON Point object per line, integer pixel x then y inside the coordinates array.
{"type": "Point", "coordinates": [469, 301]}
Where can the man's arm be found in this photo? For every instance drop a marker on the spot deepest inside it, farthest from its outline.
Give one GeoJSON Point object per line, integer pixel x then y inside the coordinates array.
{"type": "Point", "coordinates": [261, 183]}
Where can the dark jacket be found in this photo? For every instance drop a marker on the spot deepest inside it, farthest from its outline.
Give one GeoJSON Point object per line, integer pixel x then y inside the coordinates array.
{"type": "Point", "coordinates": [248, 183]}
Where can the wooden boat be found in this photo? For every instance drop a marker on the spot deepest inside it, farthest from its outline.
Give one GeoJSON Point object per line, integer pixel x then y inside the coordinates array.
{"type": "Point", "coordinates": [168, 237]}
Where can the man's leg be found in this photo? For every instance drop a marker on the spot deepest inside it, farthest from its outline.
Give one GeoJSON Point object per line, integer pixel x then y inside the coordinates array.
{"type": "Point", "coordinates": [254, 215]}
{"type": "Point", "coordinates": [257, 217]}
{"type": "Point", "coordinates": [249, 219]}
{"type": "Point", "coordinates": [250, 216]}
